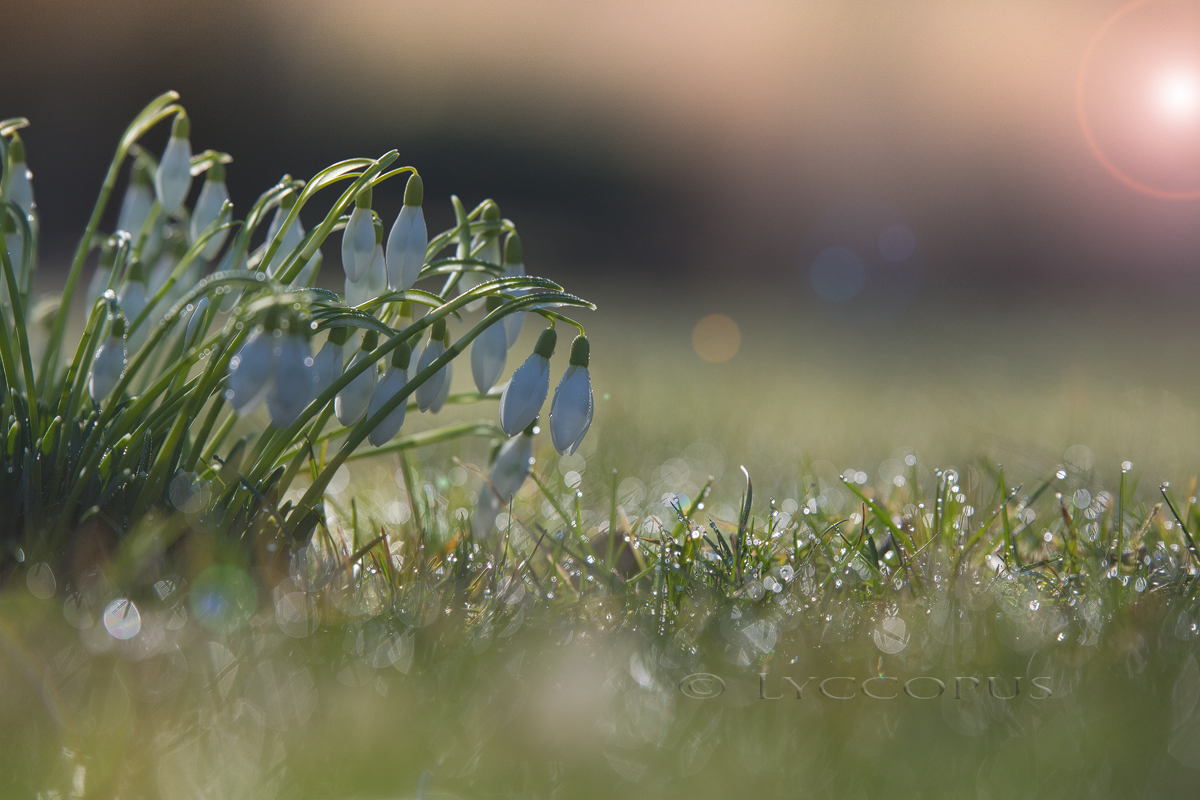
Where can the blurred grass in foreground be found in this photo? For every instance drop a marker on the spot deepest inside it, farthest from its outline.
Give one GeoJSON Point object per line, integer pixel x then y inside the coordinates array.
{"type": "Point", "coordinates": [434, 666]}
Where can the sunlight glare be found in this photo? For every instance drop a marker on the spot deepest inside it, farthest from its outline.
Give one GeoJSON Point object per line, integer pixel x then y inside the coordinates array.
{"type": "Point", "coordinates": [1178, 94]}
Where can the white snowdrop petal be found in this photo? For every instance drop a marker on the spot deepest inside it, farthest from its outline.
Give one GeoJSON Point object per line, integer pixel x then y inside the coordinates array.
{"type": "Point", "coordinates": [376, 277]}
{"type": "Point", "coordinates": [511, 467]}
{"type": "Point", "coordinates": [294, 382]}
{"type": "Point", "coordinates": [135, 207]}
{"type": "Point", "coordinates": [525, 394]}
{"type": "Point", "coordinates": [440, 400]}
{"type": "Point", "coordinates": [250, 371]}
{"type": "Point", "coordinates": [428, 391]}
{"type": "Point", "coordinates": [212, 197]}
{"type": "Point", "coordinates": [107, 368]}
{"type": "Point", "coordinates": [571, 409]}
{"type": "Point", "coordinates": [20, 188]}
{"type": "Point", "coordinates": [488, 354]}
{"type": "Point", "coordinates": [358, 244]}
{"type": "Point", "coordinates": [351, 402]}
{"type": "Point", "coordinates": [393, 381]}
{"type": "Point", "coordinates": [406, 245]}
{"type": "Point", "coordinates": [328, 366]}
{"type": "Point", "coordinates": [174, 176]}
{"type": "Point", "coordinates": [289, 242]}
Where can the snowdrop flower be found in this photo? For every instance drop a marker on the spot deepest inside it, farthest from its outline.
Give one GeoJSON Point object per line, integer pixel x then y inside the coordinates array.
{"type": "Point", "coordinates": [508, 473]}
{"type": "Point", "coordinates": [358, 238]}
{"type": "Point", "coordinates": [408, 239]}
{"type": "Point", "coordinates": [393, 381]}
{"type": "Point", "coordinates": [291, 237]}
{"type": "Point", "coordinates": [427, 392]}
{"type": "Point", "coordinates": [489, 352]}
{"type": "Point", "coordinates": [213, 197]}
{"type": "Point", "coordinates": [571, 409]}
{"type": "Point", "coordinates": [328, 364]}
{"type": "Point", "coordinates": [514, 267]}
{"type": "Point", "coordinates": [308, 273]}
{"type": "Point", "coordinates": [527, 389]}
{"type": "Point", "coordinates": [19, 188]}
{"type": "Point", "coordinates": [196, 323]}
{"type": "Point", "coordinates": [109, 364]}
{"type": "Point", "coordinates": [174, 176]}
{"type": "Point", "coordinates": [133, 301]}
{"type": "Point", "coordinates": [138, 200]}
{"type": "Point", "coordinates": [374, 282]}
{"type": "Point", "coordinates": [351, 402]}
{"type": "Point", "coordinates": [444, 394]}
{"type": "Point", "coordinates": [250, 371]}
{"type": "Point", "coordinates": [295, 380]}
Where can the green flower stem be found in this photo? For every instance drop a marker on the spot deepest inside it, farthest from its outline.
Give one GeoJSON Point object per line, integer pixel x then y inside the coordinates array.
{"type": "Point", "coordinates": [19, 326]}
{"type": "Point", "coordinates": [217, 440]}
{"type": "Point", "coordinates": [206, 427]}
{"type": "Point", "coordinates": [367, 425]}
{"type": "Point", "coordinates": [160, 108]}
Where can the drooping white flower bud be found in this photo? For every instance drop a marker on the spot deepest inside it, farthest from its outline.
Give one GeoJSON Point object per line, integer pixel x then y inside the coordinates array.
{"type": "Point", "coordinates": [374, 282]}
{"type": "Point", "coordinates": [571, 410]}
{"type": "Point", "coordinates": [526, 391]}
{"type": "Point", "coordinates": [295, 380]}
{"type": "Point", "coordinates": [291, 237]}
{"type": "Point", "coordinates": [351, 402]}
{"type": "Point", "coordinates": [213, 195]}
{"type": "Point", "coordinates": [308, 273]}
{"type": "Point", "coordinates": [393, 381]}
{"type": "Point", "coordinates": [444, 394]}
{"type": "Point", "coordinates": [408, 239]}
{"type": "Point", "coordinates": [427, 392]}
{"type": "Point", "coordinates": [514, 267]}
{"type": "Point", "coordinates": [508, 473]}
{"type": "Point", "coordinates": [328, 364]}
{"type": "Point", "coordinates": [196, 323]}
{"type": "Point", "coordinates": [376, 277]}
{"type": "Point", "coordinates": [109, 364]}
{"type": "Point", "coordinates": [133, 300]}
{"type": "Point", "coordinates": [138, 200]}
{"type": "Point", "coordinates": [19, 187]}
{"type": "Point", "coordinates": [358, 238]}
{"type": "Point", "coordinates": [250, 371]}
{"type": "Point", "coordinates": [489, 351]}
{"type": "Point", "coordinates": [174, 176]}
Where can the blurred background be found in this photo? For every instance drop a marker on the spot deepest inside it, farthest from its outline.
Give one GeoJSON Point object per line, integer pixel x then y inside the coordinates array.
{"type": "Point", "coordinates": [916, 221]}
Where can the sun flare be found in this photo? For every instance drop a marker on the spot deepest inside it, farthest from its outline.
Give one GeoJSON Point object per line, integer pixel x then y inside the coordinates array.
{"type": "Point", "coordinates": [1178, 95]}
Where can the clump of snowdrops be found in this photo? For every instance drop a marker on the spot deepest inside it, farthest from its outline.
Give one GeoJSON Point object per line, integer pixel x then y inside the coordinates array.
{"type": "Point", "coordinates": [195, 317]}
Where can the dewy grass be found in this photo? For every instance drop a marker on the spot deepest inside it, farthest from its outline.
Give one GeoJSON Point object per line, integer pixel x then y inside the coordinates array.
{"type": "Point", "coordinates": [209, 610]}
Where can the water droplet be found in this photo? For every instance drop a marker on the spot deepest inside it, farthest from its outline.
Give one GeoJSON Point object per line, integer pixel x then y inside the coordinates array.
{"type": "Point", "coordinates": [122, 619]}
{"type": "Point", "coordinates": [40, 580]}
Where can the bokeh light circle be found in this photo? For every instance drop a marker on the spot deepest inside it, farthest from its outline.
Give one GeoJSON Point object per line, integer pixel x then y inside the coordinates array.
{"type": "Point", "coordinates": [223, 598]}
{"type": "Point", "coordinates": [837, 274]}
{"type": "Point", "coordinates": [122, 619]}
{"type": "Point", "coordinates": [716, 338]}
{"type": "Point", "coordinates": [1160, 132]}
{"type": "Point", "coordinates": [863, 260]}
